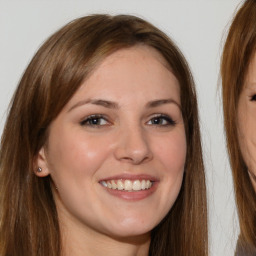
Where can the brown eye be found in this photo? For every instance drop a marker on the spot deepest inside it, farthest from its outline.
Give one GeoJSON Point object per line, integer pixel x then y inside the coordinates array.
{"type": "Point", "coordinates": [161, 120]}
{"type": "Point", "coordinates": [253, 97]}
{"type": "Point", "coordinates": [94, 120]}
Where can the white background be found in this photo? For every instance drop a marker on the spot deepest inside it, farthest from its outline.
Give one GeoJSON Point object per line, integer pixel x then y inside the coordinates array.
{"type": "Point", "coordinates": [197, 26]}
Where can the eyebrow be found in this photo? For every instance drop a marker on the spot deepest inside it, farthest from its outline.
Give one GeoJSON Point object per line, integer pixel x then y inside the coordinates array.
{"type": "Point", "coordinates": [156, 103]}
{"type": "Point", "coordinates": [99, 102]}
{"type": "Point", "coordinates": [114, 105]}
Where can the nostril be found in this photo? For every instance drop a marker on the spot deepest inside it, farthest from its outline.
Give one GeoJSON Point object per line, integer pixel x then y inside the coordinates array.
{"type": "Point", "coordinates": [135, 157]}
{"type": "Point", "coordinates": [133, 146]}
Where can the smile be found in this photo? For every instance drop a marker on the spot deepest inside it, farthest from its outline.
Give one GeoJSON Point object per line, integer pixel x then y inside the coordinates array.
{"type": "Point", "coordinates": [127, 185]}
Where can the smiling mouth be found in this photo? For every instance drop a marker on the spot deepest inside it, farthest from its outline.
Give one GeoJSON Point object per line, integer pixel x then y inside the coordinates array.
{"type": "Point", "coordinates": [127, 185]}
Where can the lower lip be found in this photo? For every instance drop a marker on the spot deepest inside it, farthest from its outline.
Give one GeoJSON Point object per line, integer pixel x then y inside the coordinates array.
{"type": "Point", "coordinates": [133, 195]}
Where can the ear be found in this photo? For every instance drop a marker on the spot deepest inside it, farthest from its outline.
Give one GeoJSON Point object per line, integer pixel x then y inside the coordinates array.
{"type": "Point", "coordinates": [41, 166]}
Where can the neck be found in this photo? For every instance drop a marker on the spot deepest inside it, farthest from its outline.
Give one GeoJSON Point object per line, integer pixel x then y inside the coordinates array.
{"type": "Point", "coordinates": [80, 242]}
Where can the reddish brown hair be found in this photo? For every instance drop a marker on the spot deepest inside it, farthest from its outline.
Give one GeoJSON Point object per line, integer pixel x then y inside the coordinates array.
{"type": "Point", "coordinates": [29, 222]}
{"type": "Point", "coordinates": [238, 51]}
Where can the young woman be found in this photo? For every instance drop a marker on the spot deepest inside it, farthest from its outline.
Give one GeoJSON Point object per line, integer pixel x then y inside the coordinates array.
{"type": "Point", "coordinates": [238, 70]}
{"type": "Point", "coordinates": [101, 150]}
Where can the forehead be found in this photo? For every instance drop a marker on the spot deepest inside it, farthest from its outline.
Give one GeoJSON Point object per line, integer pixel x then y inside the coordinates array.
{"type": "Point", "coordinates": [131, 67]}
{"type": "Point", "coordinates": [129, 75]}
{"type": "Point", "coordinates": [143, 52]}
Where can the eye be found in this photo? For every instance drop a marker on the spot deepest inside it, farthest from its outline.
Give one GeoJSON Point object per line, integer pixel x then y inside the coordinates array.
{"type": "Point", "coordinates": [95, 120]}
{"type": "Point", "coordinates": [162, 120]}
{"type": "Point", "coordinates": [253, 97]}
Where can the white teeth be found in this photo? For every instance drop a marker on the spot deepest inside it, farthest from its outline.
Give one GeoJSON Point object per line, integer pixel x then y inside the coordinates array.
{"type": "Point", "coordinates": [120, 185]}
{"type": "Point", "coordinates": [136, 185]}
{"type": "Point", "coordinates": [143, 184]}
{"type": "Point", "coordinates": [127, 185]}
{"type": "Point", "coordinates": [109, 184]}
{"type": "Point", "coordinates": [114, 186]}
{"type": "Point", "coordinates": [104, 184]}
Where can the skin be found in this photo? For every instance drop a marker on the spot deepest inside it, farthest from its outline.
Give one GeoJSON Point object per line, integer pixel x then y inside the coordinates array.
{"type": "Point", "coordinates": [130, 139]}
{"type": "Point", "coordinates": [247, 121]}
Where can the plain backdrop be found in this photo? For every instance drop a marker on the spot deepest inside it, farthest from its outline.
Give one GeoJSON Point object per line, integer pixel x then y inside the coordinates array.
{"type": "Point", "coordinates": [197, 26]}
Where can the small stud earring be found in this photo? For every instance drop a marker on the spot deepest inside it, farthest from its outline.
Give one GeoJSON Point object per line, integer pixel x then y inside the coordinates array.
{"type": "Point", "coordinates": [39, 169]}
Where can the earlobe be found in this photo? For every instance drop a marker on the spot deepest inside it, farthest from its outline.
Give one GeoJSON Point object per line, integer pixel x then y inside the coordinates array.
{"type": "Point", "coordinates": [41, 167]}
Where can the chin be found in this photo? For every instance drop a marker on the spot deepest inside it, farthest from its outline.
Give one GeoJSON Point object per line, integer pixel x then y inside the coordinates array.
{"type": "Point", "coordinates": [131, 228]}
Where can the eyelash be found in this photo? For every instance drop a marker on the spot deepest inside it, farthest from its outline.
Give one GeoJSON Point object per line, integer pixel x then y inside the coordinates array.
{"type": "Point", "coordinates": [253, 97]}
{"type": "Point", "coordinates": [169, 120]}
{"type": "Point", "coordinates": [88, 121]}
{"type": "Point", "coordinates": [94, 119]}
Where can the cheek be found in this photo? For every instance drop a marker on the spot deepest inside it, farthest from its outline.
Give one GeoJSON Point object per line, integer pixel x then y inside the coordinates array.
{"type": "Point", "coordinates": [247, 137]}
{"type": "Point", "coordinates": [75, 155]}
{"type": "Point", "coordinates": [172, 152]}
{"type": "Point", "coordinates": [246, 130]}
{"type": "Point", "coordinates": [172, 155]}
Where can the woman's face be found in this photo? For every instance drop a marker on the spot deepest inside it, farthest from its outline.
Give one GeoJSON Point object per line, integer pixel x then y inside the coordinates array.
{"type": "Point", "coordinates": [247, 121]}
{"type": "Point", "coordinates": [116, 152]}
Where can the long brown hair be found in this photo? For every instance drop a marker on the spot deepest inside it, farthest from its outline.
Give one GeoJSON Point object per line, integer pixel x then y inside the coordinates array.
{"type": "Point", "coordinates": [238, 51]}
{"type": "Point", "coordinates": [29, 221]}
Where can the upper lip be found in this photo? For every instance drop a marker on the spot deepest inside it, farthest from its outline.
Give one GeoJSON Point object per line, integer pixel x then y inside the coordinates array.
{"type": "Point", "coordinates": [131, 177]}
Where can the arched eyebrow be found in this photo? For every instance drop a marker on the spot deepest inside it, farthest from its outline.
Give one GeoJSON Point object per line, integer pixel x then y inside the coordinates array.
{"type": "Point", "coordinates": [114, 105]}
{"type": "Point", "coordinates": [99, 102]}
{"type": "Point", "coordinates": [156, 103]}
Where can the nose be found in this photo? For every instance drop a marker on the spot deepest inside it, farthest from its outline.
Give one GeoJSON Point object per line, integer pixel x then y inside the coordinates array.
{"type": "Point", "coordinates": [133, 146]}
